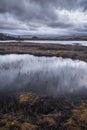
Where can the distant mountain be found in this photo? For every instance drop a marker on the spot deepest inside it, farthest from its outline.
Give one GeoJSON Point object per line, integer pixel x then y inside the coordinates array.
{"type": "Point", "coordinates": [5, 36]}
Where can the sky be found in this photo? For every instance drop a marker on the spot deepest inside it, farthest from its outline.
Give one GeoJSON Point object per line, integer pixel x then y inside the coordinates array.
{"type": "Point", "coordinates": [54, 17]}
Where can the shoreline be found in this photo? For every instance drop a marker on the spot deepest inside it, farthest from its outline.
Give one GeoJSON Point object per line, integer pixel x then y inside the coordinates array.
{"type": "Point", "coordinates": [76, 52]}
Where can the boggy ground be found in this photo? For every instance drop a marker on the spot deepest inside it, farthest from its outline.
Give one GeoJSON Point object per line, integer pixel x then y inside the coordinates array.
{"type": "Point", "coordinates": [28, 111]}
{"type": "Point", "coordinates": [65, 51]}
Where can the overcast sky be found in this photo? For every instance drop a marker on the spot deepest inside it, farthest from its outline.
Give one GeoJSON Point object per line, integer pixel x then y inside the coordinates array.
{"type": "Point", "coordinates": [59, 17]}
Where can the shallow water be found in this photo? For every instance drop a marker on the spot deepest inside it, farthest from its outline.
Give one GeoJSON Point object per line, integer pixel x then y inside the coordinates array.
{"type": "Point", "coordinates": [44, 75]}
{"type": "Point", "coordinates": [84, 43]}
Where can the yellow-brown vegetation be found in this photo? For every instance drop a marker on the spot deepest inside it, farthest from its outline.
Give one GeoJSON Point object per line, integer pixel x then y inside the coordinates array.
{"type": "Point", "coordinates": [29, 97]}
{"type": "Point", "coordinates": [78, 119]}
{"type": "Point", "coordinates": [28, 126]}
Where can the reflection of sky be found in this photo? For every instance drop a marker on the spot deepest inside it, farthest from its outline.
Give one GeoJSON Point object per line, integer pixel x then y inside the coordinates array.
{"type": "Point", "coordinates": [48, 75]}
{"type": "Point", "coordinates": [84, 43]}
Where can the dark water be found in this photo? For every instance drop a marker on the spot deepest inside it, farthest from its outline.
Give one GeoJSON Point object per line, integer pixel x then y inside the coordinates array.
{"type": "Point", "coordinates": [50, 76]}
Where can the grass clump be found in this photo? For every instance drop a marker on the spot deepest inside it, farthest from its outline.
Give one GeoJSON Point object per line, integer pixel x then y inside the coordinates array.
{"type": "Point", "coordinates": [28, 126]}
{"type": "Point", "coordinates": [9, 122]}
{"type": "Point", "coordinates": [78, 119]}
{"type": "Point", "coordinates": [50, 121]}
{"type": "Point", "coordinates": [29, 97]}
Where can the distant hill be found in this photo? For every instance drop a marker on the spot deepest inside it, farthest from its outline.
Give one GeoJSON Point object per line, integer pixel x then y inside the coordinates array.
{"type": "Point", "coordinates": [5, 36]}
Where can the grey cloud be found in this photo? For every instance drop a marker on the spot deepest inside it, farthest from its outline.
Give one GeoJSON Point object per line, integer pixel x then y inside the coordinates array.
{"type": "Point", "coordinates": [38, 13]}
{"type": "Point", "coordinates": [60, 25]}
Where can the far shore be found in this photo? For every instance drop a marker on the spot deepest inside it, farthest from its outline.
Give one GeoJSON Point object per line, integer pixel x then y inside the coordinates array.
{"type": "Point", "coordinates": [49, 50]}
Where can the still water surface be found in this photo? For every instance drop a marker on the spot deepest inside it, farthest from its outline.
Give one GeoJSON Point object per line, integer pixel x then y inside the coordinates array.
{"type": "Point", "coordinates": [84, 43]}
{"type": "Point", "coordinates": [49, 75]}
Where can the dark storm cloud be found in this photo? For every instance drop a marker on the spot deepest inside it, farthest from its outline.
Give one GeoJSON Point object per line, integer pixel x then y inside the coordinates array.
{"type": "Point", "coordinates": [59, 25]}
{"type": "Point", "coordinates": [39, 15]}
